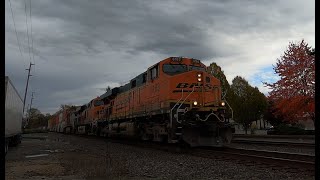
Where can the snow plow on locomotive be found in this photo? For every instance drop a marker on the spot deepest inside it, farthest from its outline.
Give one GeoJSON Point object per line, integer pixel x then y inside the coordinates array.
{"type": "Point", "coordinates": [175, 100]}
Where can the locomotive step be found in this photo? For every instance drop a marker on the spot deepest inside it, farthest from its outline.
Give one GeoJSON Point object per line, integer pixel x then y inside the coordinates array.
{"type": "Point", "coordinates": [173, 141]}
{"type": "Point", "coordinates": [181, 110]}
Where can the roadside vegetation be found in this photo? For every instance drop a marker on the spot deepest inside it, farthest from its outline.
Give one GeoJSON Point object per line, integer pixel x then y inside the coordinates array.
{"type": "Point", "coordinates": [36, 122]}
{"type": "Point", "coordinates": [290, 100]}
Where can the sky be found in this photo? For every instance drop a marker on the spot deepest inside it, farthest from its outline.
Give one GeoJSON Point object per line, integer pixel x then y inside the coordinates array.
{"type": "Point", "coordinates": [80, 47]}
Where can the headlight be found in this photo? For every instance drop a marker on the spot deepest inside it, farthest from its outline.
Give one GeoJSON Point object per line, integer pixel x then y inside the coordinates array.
{"type": "Point", "coordinates": [199, 75]}
{"type": "Point", "coordinates": [223, 103]}
{"type": "Point", "coordinates": [199, 79]}
{"type": "Point", "coordinates": [195, 103]}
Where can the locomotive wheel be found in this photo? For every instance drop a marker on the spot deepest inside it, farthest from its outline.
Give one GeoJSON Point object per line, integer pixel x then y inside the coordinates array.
{"type": "Point", "coordinates": [145, 136]}
{"type": "Point", "coordinates": [228, 136]}
{"type": "Point", "coordinates": [184, 145]}
{"type": "Point", "coordinates": [19, 139]}
{"type": "Point", "coordinates": [98, 131]}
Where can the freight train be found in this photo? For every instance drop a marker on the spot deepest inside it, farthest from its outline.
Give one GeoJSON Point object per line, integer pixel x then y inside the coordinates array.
{"type": "Point", "coordinates": [176, 100]}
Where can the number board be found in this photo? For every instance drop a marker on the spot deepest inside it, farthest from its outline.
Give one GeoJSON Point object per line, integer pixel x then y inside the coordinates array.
{"type": "Point", "coordinates": [176, 59]}
{"type": "Point", "coordinates": [195, 61]}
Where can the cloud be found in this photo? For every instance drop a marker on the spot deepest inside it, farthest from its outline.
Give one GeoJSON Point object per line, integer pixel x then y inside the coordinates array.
{"type": "Point", "coordinates": [82, 46]}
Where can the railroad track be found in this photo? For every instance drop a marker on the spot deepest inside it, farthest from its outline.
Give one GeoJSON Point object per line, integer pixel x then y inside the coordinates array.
{"type": "Point", "coordinates": [305, 137]}
{"type": "Point", "coordinates": [291, 159]}
{"type": "Point", "coordinates": [290, 162]}
{"type": "Point", "coordinates": [268, 142]}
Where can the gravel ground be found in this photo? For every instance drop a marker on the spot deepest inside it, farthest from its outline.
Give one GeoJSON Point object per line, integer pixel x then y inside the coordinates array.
{"type": "Point", "coordinates": [281, 148]}
{"type": "Point", "coordinates": [74, 157]}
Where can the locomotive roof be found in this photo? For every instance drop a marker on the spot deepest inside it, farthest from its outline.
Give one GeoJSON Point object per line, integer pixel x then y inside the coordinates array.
{"type": "Point", "coordinates": [139, 79]}
{"type": "Point", "coordinates": [124, 88]}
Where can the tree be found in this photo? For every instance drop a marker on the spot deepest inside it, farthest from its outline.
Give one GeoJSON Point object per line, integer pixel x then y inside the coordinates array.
{"type": "Point", "coordinates": [270, 116]}
{"type": "Point", "coordinates": [33, 112]}
{"type": "Point", "coordinates": [312, 52]}
{"type": "Point", "coordinates": [63, 106]}
{"type": "Point", "coordinates": [248, 103]}
{"type": "Point", "coordinates": [36, 119]}
{"type": "Point", "coordinates": [293, 95]}
{"type": "Point", "coordinates": [108, 88]}
{"type": "Point", "coordinates": [216, 71]}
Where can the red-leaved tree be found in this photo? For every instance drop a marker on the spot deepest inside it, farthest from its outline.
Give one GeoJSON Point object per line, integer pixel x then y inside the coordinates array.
{"type": "Point", "coordinates": [293, 95]}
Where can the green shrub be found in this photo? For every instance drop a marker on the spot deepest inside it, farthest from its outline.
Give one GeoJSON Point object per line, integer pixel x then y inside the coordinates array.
{"type": "Point", "coordinates": [284, 129]}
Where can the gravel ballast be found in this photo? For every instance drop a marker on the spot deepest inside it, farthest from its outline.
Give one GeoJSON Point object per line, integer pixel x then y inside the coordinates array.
{"type": "Point", "coordinates": [280, 148]}
{"type": "Point", "coordinates": [75, 157]}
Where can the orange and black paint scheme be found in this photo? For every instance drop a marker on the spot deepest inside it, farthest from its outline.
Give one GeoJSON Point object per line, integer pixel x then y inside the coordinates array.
{"type": "Point", "coordinates": [175, 100]}
{"type": "Point", "coordinates": [90, 115]}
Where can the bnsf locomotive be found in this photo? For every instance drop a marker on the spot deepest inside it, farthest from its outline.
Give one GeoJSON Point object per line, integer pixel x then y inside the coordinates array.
{"type": "Point", "coordinates": [175, 100]}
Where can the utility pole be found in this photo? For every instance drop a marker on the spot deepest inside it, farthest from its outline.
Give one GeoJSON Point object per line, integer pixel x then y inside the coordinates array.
{"type": "Point", "coordinates": [31, 104]}
{"type": "Point", "coordinates": [27, 114]}
{"type": "Point", "coordinates": [26, 119]}
{"type": "Point", "coordinates": [25, 92]}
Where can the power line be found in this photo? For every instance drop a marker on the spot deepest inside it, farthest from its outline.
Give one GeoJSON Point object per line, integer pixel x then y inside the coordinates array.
{"type": "Point", "coordinates": [15, 29]}
{"type": "Point", "coordinates": [31, 34]}
{"type": "Point", "coordinates": [25, 10]}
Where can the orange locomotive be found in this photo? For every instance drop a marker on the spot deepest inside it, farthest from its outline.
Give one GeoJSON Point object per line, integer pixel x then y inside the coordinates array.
{"type": "Point", "coordinates": [90, 115]}
{"type": "Point", "coordinates": [175, 100]}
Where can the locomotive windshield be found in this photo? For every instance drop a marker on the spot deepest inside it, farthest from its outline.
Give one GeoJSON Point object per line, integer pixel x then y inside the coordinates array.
{"type": "Point", "coordinates": [173, 69]}
{"type": "Point", "coordinates": [198, 68]}
{"type": "Point", "coordinates": [98, 103]}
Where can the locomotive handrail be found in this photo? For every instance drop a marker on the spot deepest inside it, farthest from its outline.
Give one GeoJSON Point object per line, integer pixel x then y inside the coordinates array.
{"type": "Point", "coordinates": [208, 117]}
{"type": "Point", "coordinates": [224, 94]}
{"type": "Point", "coordinates": [174, 107]}
{"type": "Point", "coordinates": [183, 102]}
{"type": "Point", "coordinates": [230, 108]}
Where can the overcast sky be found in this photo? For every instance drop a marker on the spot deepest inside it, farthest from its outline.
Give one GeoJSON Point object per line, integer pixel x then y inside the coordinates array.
{"type": "Point", "coordinates": [81, 46]}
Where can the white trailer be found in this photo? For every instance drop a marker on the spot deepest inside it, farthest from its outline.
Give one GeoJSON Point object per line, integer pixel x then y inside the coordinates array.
{"type": "Point", "coordinates": [13, 115]}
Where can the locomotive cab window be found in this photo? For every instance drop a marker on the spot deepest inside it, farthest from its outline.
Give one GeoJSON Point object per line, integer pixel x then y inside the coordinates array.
{"type": "Point", "coordinates": [197, 68]}
{"type": "Point", "coordinates": [144, 78]}
{"type": "Point", "coordinates": [154, 72]}
{"type": "Point", "coordinates": [98, 103]}
{"type": "Point", "coordinates": [173, 69]}
{"type": "Point", "coordinates": [133, 83]}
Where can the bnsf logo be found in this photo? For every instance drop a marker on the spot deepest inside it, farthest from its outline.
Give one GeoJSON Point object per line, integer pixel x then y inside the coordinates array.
{"type": "Point", "coordinates": [187, 85]}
